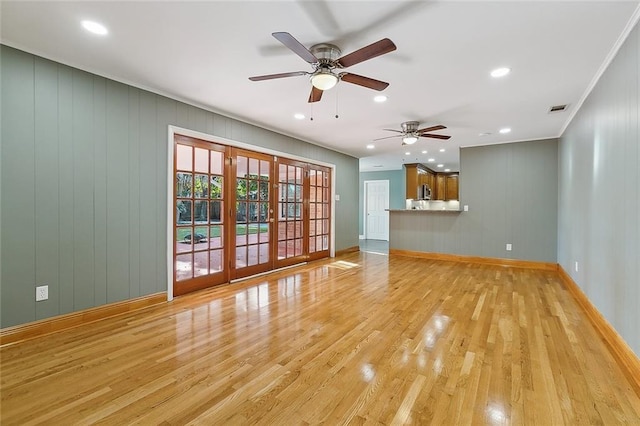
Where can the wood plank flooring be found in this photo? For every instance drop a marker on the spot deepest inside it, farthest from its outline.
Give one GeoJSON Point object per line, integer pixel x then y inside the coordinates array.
{"type": "Point", "coordinates": [361, 339]}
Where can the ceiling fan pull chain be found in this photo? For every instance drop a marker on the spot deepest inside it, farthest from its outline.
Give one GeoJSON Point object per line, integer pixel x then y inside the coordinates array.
{"type": "Point", "coordinates": [311, 115]}
{"type": "Point", "coordinates": [337, 91]}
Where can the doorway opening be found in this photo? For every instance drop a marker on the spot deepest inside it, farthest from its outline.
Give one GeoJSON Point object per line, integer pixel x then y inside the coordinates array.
{"type": "Point", "coordinates": [376, 214]}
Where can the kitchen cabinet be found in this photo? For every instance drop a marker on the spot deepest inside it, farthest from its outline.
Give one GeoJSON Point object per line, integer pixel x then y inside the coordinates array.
{"type": "Point", "coordinates": [411, 181]}
{"type": "Point", "coordinates": [451, 187]}
{"type": "Point", "coordinates": [416, 175]}
{"type": "Point", "coordinates": [441, 184]}
{"type": "Point", "coordinates": [444, 186]}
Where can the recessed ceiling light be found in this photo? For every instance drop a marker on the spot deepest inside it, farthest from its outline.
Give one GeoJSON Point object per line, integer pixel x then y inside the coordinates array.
{"type": "Point", "coordinates": [94, 27]}
{"type": "Point", "coordinates": [407, 153]}
{"type": "Point", "coordinates": [500, 72]}
{"type": "Point", "coordinates": [442, 149]}
{"type": "Point", "coordinates": [424, 152]}
{"type": "Point", "coordinates": [431, 160]}
{"type": "Point", "coordinates": [505, 130]}
{"type": "Point", "coordinates": [298, 116]}
{"type": "Point", "coordinates": [440, 165]}
{"type": "Point", "coordinates": [380, 98]}
{"type": "Point", "coordinates": [447, 170]}
{"type": "Point", "coordinates": [371, 146]}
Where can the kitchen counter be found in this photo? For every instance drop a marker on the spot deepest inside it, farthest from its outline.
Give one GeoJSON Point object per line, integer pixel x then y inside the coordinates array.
{"type": "Point", "coordinates": [425, 210]}
{"type": "Point", "coordinates": [430, 206]}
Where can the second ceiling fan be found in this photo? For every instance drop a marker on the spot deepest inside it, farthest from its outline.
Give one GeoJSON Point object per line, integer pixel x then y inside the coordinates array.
{"type": "Point", "coordinates": [410, 132]}
{"type": "Point", "coordinates": [325, 59]}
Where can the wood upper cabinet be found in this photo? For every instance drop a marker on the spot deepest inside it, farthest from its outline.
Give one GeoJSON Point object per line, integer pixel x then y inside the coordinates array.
{"type": "Point", "coordinates": [411, 191]}
{"type": "Point", "coordinates": [431, 180]}
{"type": "Point", "coordinates": [452, 187]}
{"type": "Point", "coordinates": [444, 186]}
{"type": "Point", "coordinates": [441, 184]}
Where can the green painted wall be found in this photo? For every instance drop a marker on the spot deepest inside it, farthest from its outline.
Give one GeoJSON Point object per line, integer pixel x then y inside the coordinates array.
{"type": "Point", "coordinates": [599, 194]}
{"type": "Point", "coordinates": [83, 185]}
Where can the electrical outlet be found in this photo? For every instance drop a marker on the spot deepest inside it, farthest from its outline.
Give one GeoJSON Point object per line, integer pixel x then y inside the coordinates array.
{"type": "Point", "coordinates": [42, 293]}
{"type": "Point", "coordinates": [508, 247]}
{"type": "Point", "coordinates": [576, 266]}
{"type": "Point", "coordinates": [466, 208]}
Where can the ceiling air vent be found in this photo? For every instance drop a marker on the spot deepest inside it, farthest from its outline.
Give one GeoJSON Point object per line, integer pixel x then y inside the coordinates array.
{"type": "Point", "coordinates": [557, 108]}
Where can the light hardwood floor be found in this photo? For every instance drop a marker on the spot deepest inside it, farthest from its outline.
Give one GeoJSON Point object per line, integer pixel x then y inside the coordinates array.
{"type": "Point", "coordinates": [362, 339]}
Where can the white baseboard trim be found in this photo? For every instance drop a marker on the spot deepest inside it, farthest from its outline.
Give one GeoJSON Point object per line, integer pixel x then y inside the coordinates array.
{"type": "Point", "coordinates": [361, 237]}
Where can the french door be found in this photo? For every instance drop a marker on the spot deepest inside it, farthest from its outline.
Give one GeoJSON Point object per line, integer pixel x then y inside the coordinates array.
{"type": "Point", "coordinates": [200, 226]}
{"type": "Point", "coordinates": [251, 213]}
{"type": "Point", "coordinates": [319, 211]}
{"type": "Point", "coordinates": [239, 213]}
{"type": "Point", "coordinates": [292, 213]}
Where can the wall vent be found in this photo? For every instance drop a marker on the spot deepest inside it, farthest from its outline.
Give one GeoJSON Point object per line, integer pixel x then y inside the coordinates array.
{"type": "Point", "coordinates": [557, 108]}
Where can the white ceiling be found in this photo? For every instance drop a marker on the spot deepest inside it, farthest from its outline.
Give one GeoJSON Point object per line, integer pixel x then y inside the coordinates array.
{"type": "Point", "coordinates": [204, 52]}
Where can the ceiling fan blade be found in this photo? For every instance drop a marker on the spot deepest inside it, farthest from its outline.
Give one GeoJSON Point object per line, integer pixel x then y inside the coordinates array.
{"type": "Point", "coordinates": [388, 137]}
{"type": "Point", "coordinates": [281, 75]}
{"type": "Point", "coordinates": [363, 81]}
{"type": "Point", "coordinates": [297, 47]}
{"type": "Point", "coordinates": [428, 135]}
{"type": "Point", "coordinates": [371, 51]}
{"type": "Point", "coordinates": [432, 128]}
{"type": "Point", "coordinates": [316, 94]}
{"type": "Point", "coordinates": [393, 130]}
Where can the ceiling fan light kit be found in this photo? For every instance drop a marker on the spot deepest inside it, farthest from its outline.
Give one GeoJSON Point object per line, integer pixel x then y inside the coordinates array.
{"type": "Point", "coordinates": [324, 79]}
{"type": "Point", "coordinates": [409, 139]}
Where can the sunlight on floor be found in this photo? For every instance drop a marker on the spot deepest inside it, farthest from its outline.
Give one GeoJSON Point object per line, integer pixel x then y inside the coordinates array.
{"type": "Point", "coordinates": [341, 264]}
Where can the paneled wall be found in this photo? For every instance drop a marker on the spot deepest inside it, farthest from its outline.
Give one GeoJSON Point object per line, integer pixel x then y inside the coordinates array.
{"type": "Point", "coordinates": [84, 172]}
{"type": "Point", "coordinates": [599, 189]}
{"type": "Point", "coordinates": [512, 194]}
{"type": "Point", "coordinates": [396, 180]}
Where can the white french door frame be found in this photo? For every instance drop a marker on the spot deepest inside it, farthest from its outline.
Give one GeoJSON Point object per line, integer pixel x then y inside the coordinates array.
{"type": "Point", "coordinates": [173, 130]}
{"type": "Point", "coordinates": [365, 205]}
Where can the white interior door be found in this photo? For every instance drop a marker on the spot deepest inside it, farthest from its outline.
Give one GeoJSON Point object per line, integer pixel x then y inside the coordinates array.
{"type": "Point", "coordinates": [376, 194]}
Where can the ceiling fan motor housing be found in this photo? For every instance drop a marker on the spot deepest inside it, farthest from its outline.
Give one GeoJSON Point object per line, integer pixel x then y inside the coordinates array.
{"type": "Point", "coordinates": [410, 126]}
{"type": "Point", "coordinates": [326, 53]}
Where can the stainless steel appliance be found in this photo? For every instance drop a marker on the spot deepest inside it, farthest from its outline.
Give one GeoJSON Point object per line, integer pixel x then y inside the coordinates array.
{"type": "Point", "coordinates": [424, 192]}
